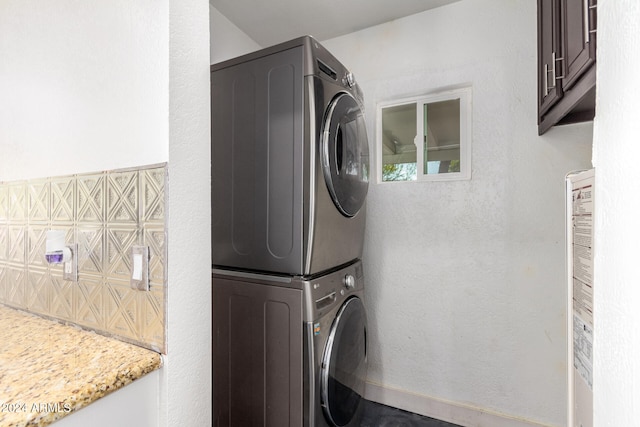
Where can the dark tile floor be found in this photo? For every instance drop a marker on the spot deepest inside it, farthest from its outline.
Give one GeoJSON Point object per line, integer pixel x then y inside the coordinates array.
{"type": "Point", "coordinates": [377, 415]}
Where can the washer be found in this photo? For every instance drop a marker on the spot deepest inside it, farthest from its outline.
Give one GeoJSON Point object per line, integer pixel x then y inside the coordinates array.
{"type": "Point", "coordinates": [335, 338]}
{"type": "Point", "coordinates": [289, 351]}
{"type": "Point", "coordinates": [290, 161]}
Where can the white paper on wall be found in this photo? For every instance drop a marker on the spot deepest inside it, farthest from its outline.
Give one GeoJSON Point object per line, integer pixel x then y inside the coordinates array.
{"type": "Point", "coordinates": [580, 316]}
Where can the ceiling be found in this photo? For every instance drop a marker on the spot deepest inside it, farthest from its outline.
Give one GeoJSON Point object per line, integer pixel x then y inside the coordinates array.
{"type": "Point", "coordinates": [270, 22]}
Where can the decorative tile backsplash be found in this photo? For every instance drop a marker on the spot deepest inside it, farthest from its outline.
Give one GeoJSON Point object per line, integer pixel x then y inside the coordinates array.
{"type": "Point", "coordinates": [105, 213]}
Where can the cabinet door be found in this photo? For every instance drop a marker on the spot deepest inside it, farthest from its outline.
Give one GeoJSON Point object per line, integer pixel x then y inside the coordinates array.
{"type": "Point", "coordinates": [548, 47]}
{"type": "Point", "coordinates": [578, 40]}
{"type": "Point", "coordinates": [566, 62]}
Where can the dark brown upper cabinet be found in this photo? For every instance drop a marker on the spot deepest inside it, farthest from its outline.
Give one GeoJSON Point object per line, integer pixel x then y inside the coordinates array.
{"type": "Point", "coordinates": [566, 62]}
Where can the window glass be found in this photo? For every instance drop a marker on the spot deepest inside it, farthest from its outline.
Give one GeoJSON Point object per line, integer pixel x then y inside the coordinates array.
{"type": "Point", "coordinates": [399, 154]}
{"type": "Point", "coordinates": [443, 149]}
{"type": "Point", "coordinates": [441, 136]}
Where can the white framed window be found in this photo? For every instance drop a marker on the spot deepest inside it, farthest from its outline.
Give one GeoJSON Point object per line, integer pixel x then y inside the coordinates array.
{"type": "Point", "coordinates": [425, 138]}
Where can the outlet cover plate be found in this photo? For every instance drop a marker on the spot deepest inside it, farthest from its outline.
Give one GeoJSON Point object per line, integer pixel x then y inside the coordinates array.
{"type": "Point", "coordinates": [70, 268]}
{"type": "Point", "coordinates": [140, 268]}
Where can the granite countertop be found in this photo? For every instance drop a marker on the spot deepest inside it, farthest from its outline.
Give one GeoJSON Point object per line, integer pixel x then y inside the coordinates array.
{"type": "Point", "coordinates": [49, 370]}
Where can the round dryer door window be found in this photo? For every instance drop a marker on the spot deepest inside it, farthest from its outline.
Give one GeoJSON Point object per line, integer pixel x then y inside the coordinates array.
{"type": "Point", "coordinates": [345, 154]}
{"type": "Point", "coordinates": [344, 363]}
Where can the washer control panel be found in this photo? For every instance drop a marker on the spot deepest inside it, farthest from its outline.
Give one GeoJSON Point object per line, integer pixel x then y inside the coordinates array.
{"type": "Point", "coordinates": [327, 292]}
{"type": "Point", "coordinates": [349, 281]}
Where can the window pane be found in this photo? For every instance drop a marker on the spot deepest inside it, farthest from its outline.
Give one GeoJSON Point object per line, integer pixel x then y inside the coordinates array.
{"type": "Point", "coordinates": [442, 137]}
{"type": "Point", "coordinates": [399, 154]}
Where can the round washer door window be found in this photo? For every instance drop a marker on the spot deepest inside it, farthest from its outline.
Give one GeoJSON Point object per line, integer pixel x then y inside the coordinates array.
{"type": "Point", "coordinates": [344, 363]}
{"type": "Point", "coordinates": [345, 154]}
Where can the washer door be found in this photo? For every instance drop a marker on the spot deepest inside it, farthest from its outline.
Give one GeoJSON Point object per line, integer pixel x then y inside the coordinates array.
{"type": "Point", "coordinates": [345, 154]}
{"type": "Point", "coordinates": [344, 363]}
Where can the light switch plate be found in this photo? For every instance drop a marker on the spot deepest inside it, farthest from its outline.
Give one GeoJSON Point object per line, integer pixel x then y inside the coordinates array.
{"type": "Point", "coordinates": [140, 268]}
{"type": "Point", "coordinates": [70, 268]}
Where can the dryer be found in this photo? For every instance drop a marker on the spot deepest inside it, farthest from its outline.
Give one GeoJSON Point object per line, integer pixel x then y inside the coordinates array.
{"type": "Point", "coordinates": [290, 161]}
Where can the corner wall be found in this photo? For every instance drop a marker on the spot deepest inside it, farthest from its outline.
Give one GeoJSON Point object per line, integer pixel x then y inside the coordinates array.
{"type": "Point", "coordinates": [466, 279]}
{"type": "Point", "coordinates": [616, 349]}
{"type": "Point", "coordinates": [227, 40]}
{"type": "Point", "coordinates": [186, 384]}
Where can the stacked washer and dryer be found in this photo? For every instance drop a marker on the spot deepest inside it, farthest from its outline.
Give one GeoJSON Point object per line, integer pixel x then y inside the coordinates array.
{"type": "Point", "coordinates": [290, 174]}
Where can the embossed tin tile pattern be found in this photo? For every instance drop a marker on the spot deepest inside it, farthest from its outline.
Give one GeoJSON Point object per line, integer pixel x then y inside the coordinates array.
{"type": "Point", "coordinates": [105, 213]}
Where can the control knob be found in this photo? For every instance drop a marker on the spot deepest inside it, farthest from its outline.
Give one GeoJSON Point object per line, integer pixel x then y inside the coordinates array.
{"type": "Point", "coordinates": [349, 79]}
{"type": "Point", "coordinates": [349, 281]}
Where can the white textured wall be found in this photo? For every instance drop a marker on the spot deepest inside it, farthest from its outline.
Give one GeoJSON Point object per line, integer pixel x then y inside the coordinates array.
{"type": "Point", "coordinates": [616, 151]}
{"type": "Point", "coordinates": [186, 390]}
{"type": "Point", "coordinates": [83, 86]}
{"type": "Point", "coordinates": [227, 40]}
{"type": "Point", "coordinates": [466, 284]}
{"type": "Point", "coordinates": [110, 84]}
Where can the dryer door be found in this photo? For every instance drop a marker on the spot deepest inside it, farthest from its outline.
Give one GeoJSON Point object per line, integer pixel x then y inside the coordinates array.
{"type": "Point", "coordinates": [345, 154]}
{"type": "Point", "coordinates": [344, 363]}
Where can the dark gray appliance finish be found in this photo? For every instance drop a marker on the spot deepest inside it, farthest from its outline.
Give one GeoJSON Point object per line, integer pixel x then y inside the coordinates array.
{"type": "Point", "coordinates": [257, 353]}
{"type": "Point", "coordinates": [290, 161]}
{"type": "Point", "coordinates": [335, 348]}
{"type": "Point", "coordinates": [289, 351]}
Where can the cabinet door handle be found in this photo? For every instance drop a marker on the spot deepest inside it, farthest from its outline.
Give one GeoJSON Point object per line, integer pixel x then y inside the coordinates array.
{"type": "Point", "coordinates": [592, 7]}
{"type": "Point", "coordinates": [554, 67]}
{"type": "Point", "coordinates": [585, 12]}
{"type": "Point", "coordinates": [587, 8]}
{"type": "Point", "coordinates": [552, 71]}
{"type": "Point", "coordinates": [547, 88]}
